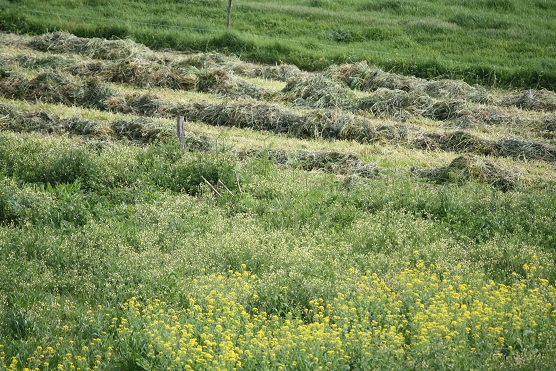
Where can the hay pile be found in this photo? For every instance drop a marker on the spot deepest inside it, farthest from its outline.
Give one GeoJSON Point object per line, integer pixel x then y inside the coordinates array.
{"type": "Point", "coordinates": [336, 124]}
{"type": "Point", "coordinates": [457, 141]}
{"type": "Point", "coordinates": [281, 72]}
{"type": "Point", "coordinates": [140, 104]}
{"type": "Point", "coordinates": [51, 87]}
{"type": "Point", "coordinates": [361, 76]}
{"type": "Point", "coordinates": [316, 91]}
{"type": "Point", "coordinates": [525, 150]}
{"type": "Point", "coordinates": [532, 99]}
{"type": "Point", "coordinates": [243, 113]}
{"type": "Point", "coordinates": [142, 129]}
{"type": "Point", "coordinates": [395, 104]}
{"type": "Point", "coordinates": [446, 110]}
{"type": "Point", "coordinates": [143, 74]}
{"type": "Point", "coordinates": [205, 60]}
{"type": "Point", "coordinates": [470, 168]}
{"type": "Point", "coordinates": [63, 42]}
{"type": "Point", "coordinates": [462, 142]}
{"type": "Point", "coordinates": [453, 89]}
{"type": "Point", "coordinates": [222, 82]}
{"type": "Point", "coordinates": [45, 123]}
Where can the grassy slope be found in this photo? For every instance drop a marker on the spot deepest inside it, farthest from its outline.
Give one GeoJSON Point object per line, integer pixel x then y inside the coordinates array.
{"type": "Point", "coordinates": [102, 208]}
{"type": "Point", "coordinates": [493, 42]}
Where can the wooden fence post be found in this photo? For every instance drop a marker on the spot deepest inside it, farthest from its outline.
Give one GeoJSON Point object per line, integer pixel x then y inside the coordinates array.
{"type": "Point", "coordinates": [181, 132]}
{"type": "Point", "coordinates": [229, 18]}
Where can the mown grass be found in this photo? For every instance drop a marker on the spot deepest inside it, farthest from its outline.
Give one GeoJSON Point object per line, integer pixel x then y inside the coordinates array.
{"type": "Point", "coordinates": [498, 42]}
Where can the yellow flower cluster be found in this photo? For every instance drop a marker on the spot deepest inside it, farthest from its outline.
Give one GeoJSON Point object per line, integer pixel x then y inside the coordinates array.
{"type": "Point", "coordinates": [416, 318]}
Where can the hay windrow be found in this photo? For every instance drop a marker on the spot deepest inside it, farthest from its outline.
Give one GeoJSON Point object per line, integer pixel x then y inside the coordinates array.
{"type": "Point", "coordinates": [532, 99]}
{"type": "Point", "coordinates": [51, 87]}
{"type": "Point", "coordinates": [316, 91]}
{"type": "Point", "coordinates": [457, 141]}
{"type": "Point", "coordinates": [244, 114]}
{"type": "Point", "coordinates": [446, 110]}
{"type": "Point", "coordinates": [140, 104]}
{"type": "Point", "coordinates": [470, 168]}
{"type": "Point", "coordinates": [142, 129]}
{"type": "Point", "coordinates": [143, 74]}
{"type": "Point", "coordinates": [361, 76]}
{"type": "Point", "coordinates": [281, 72]}
{"type": "Point", "coordinates": [63, 42]}
{"type": "Point", "coordinates": [463, 142]}
{"type": "Point", "coordinates": [45, 123]}
{"type": "Point", "coordinates": [453, 89]}
{"type": "Point", "coordinates": [336, 124]}
{"type": "Point", "coordinates": [395, 104]}
{"type": "Point", "coordinates": [525, 150]}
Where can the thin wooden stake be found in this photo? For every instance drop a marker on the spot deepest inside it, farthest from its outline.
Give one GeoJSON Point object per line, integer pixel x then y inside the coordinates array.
{"type": "Point", "coordinates": [181, 132]}
{"type": "Point", "coordinates": [226, 188]}
{"type": "Point", "coordinates": [229, 17]}
{"type": "Point", "coordinates": [210, 185]}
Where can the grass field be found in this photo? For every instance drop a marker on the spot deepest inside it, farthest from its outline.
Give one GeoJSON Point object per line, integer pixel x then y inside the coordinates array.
{"type": "Point", "coordinates": [346, 218]}
{"type": "Point", "coordinates": [492, 42]}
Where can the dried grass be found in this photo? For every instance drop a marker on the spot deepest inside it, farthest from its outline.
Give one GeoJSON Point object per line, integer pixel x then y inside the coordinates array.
{"type": "Point", "coordinates": [395, 104]}
{"type": "Point", "coordinates": [533, 100]}
{"type": "Point", "coordinates": [140, 104]}
{"type": "Point", "coordinates": [281, 72]}
{"type": "Point", "coordinates": [470, 168]}
{"type": "Point", "coordinates": [316, 91]}
{"type": "Point", "coordinates": [361, 76]}
{"type": "Point", "coordinates": [244, 114]}
{"type": "Point", "coordinates": [63, 42]}
{"type": "Point", "coordinates": [446, 110]}
{"type": "Point", "coordinates": [142, 129]}
{"type": "Point", "coordinates": [453, 89]}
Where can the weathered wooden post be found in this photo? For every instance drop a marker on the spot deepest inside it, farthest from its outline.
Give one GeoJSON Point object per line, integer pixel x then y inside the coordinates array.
{"type": "Point", "coordinates": [181, 132]}
{"type": "Point", "coordinates": [229, 18]}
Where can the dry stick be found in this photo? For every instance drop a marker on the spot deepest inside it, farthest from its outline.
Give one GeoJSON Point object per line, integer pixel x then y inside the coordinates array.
{"type": "Point", "coordinates": [238, 185]}
{"type": "Point", "coordinates": [224, 185]}
{"type": "Point", "coordinates": [210, 185]}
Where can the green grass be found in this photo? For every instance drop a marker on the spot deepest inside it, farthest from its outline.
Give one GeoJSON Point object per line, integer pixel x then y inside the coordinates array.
{"type": "Point", "coordinates": [492, 42]}
{"type": "Point", "coordinates": [86, 228]}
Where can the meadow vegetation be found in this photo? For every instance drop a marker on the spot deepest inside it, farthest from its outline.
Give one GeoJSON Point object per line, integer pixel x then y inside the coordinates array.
{"type": "Point", "coordinates": [492, 42]}
{"type": "Point", "coordinates": [364, 219]}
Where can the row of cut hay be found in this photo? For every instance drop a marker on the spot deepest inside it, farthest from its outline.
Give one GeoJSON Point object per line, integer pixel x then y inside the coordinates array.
{"type": "Point", "coordinates": [322, 123]}
{"type": "Point", "coordinates": [329, 124]}
{"type": "Point", "coordinates": [281, 72]}
{"type": "Point", "coordinates": [148, 74]}
{"type": "Point", "coordinates": [531, 99]}
{"type": "Point", "coordinates": [463, 142]}
{"type": "Point", "coordinates": [141, 129]}
{"type": "Point", "coordinates": [50, 87]}
{"type": "Point", "coordinates": [318, 91]}
{"type": "Point", "coordinates": [328, 161]}
{"type": "Point", "coordinates": [470, 168]}
{"type": "Point", "coordinates": [361, 76]}
{"type": "Point", "coordinates": [63, 42]}
{"type": "Point", "coordinates": [143, 74]}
